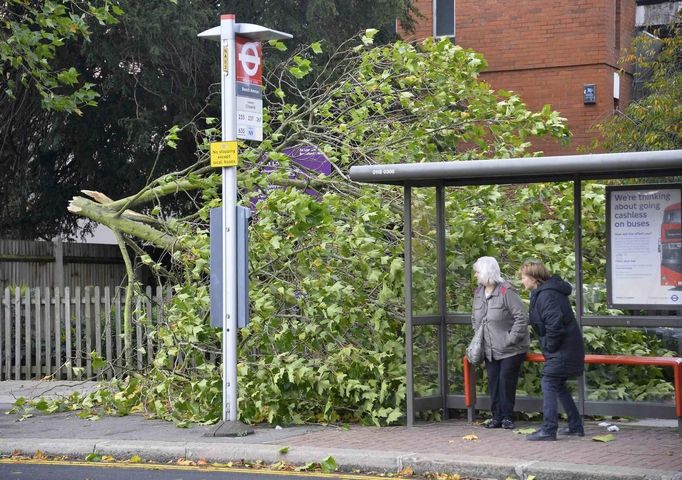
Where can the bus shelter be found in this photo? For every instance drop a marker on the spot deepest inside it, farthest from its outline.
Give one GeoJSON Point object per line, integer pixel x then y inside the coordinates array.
{"type": "Point", "coordinates": [573, 168]}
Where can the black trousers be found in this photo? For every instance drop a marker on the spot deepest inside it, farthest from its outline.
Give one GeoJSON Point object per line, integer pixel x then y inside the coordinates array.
{"type": "Point", "coordinates": [503, 376]}
{"type": "Point", "coordinates": [553, 389]}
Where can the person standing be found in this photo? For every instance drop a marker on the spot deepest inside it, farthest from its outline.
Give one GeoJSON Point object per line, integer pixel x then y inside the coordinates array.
{"type": "Point", "coordinates": [498, 309]}
{"type": "Point", "coordinates": [561, 341]}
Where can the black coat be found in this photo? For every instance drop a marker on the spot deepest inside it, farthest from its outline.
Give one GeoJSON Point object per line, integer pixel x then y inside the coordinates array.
{"type": "Point", "coordinates": [553, 320]}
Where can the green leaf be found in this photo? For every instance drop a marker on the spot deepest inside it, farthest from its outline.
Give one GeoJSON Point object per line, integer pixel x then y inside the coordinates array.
{"type": "Point", "coordinates": [278, 44]}
{"type": "Point", "coordinates": [284, 450]}
{"type": "Point", "coordinates": [93, 457]}
{"type": "Point", "coordinates": [328, 465]}
{"type": "Point", "coordinates": [97, 361]}
{"type": "Point", "coordinates": [316, 47]}
{"type": "Point", "coordinates": [307, 467]}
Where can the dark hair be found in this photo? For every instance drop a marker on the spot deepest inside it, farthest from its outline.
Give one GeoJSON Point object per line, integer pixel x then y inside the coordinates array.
{"type": "Point", "coordinates": [536, 270]}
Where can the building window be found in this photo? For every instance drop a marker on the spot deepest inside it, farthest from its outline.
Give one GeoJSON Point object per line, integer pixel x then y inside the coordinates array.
{"type": "Point", "coordinates": [443, 18]}
{"type": "Point", "coordinates": [617, 25]}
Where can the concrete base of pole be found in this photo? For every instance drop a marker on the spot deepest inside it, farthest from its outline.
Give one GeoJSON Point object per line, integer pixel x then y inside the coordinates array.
{"type": "Point", "coordinates": [230, 429]}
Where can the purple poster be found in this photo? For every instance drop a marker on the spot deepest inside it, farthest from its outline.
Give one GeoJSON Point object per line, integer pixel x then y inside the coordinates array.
{"type": "Point", "coordinates": [307, 161]}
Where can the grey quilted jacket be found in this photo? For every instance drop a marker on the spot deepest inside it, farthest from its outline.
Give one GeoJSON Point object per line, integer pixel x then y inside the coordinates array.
{"type": "Point", "coordinates": [505, 322]}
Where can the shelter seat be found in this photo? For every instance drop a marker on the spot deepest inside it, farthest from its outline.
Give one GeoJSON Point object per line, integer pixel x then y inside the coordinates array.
{"type": "Point", "coordinates": [674, 362]}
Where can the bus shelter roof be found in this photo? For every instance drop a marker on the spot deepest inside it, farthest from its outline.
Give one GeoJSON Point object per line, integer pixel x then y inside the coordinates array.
{"type": "Point", "coordinates": [524, 170]}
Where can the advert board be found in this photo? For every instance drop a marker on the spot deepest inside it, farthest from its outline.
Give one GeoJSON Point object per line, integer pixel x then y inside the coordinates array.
{"type": "Point", "coordinates": [644, 247]}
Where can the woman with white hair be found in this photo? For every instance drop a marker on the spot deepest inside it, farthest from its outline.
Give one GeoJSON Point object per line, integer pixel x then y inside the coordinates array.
{"type": "Point", "coordinates": [498, 309]}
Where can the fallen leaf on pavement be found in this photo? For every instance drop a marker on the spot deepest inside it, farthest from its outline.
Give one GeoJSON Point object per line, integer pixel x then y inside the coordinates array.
{"type": "Point", "coordinates": [524, 431]}
{"type": "Point", "coordinates": [135, 459]}
{"type": "Point", "coordinates": [406, 472]}
{"type": "Point", "coordinates": [442, 476]}
{"type": "Point", "coordinates": [329, 465]}
{"type": "Point", "coordinates": [202, 461]}
{"type": "Point", "coordinates": [604, 438]}
{"type": "Point", "coordinates": [39, 455]}
{"type": "Point", "coordinates": [470, 437]}
{"type": "Point", "coordinates": [185, 462]}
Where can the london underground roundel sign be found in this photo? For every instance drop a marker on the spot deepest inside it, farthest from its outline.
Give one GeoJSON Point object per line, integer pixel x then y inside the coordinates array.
{"type": "Point", "coordinates": [249, 61]}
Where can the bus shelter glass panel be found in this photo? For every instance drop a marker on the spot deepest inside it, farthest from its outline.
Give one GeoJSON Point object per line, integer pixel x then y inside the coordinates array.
{"type": "Point", "coordinates": [459, 337]}
{"type": "Point", "coordinates": [466, 239]}
{"type": "Point", "coordinates": [628, 382]}
{"type": "Point", "coordinates": [592, 206]}
{"type": "Point", "coordinates": [424, 252]}
{"type": "Point", "coordinates": [511, 223]}
{"type": "Point", "coordinates": [425, 360]}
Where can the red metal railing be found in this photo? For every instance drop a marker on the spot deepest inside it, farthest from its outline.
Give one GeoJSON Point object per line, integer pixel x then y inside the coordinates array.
{"type": "Point", "coordinates": [674, 362]}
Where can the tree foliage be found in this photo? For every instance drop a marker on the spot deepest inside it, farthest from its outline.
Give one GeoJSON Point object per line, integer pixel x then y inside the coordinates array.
{"type": "Point", "coordinates": [325, 342]}
{"type": "Point", "coordinates": [147, 77]}
{"type": "Point", "coordinates": [31, 37]}
{"type": "Point", "coordinates": [654, 122]}
{"type": "Point", "coordinates": [144, 67]}
{"type": "Point", "coordinates": [333, 21]}
{"type": "Point", "coordinates": [37, 90]}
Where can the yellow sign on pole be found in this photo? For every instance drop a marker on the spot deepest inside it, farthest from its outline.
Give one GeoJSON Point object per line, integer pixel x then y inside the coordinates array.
{"type": "Point", "coordinates": [224, 154]}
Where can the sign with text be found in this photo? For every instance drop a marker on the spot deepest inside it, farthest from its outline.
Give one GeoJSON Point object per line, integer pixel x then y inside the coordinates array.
{"type": "Point", "coordinates": [224, 154]}
{"type": "Point", "coordinates": [308, 162]}
{"type": "Point", "coordinates": [249, 94]}
{"type": "Point", "coordinates": [644, 246]}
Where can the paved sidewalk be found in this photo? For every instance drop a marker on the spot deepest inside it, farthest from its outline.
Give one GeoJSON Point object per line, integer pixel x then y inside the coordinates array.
{"type": "Point", "coordinates": [638, 452]}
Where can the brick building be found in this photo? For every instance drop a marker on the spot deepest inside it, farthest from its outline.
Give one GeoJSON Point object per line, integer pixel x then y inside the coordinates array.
{"type": "Point", "coordinates": [560, 52]}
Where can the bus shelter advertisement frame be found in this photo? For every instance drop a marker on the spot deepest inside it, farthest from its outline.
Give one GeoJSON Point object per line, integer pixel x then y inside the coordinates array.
{"type": "Point", "coordinates": [644, 246]}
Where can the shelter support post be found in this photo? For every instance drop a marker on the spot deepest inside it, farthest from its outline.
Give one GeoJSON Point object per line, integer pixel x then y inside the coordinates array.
{"type": "Point", "coordinates": [407, 230]}
{"type": "Point", "coordinates": [442, 304]}
{"type": "Point", "coordinates": [578, 235]}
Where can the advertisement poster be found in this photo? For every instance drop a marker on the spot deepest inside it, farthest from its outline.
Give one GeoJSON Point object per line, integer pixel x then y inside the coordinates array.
{"type": "Point", "coordinates": [644, 240]}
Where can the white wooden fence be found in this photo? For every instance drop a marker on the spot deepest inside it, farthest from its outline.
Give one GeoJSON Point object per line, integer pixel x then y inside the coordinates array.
{"type": "Point", "coordinates": [51, 331]}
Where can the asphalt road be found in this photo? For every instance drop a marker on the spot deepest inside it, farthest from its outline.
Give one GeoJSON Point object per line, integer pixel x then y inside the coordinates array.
{"type": "Point", "coordinates": [23, 470]}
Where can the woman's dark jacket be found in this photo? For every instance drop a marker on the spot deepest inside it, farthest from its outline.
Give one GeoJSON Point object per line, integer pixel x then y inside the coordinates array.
{"type": "Point", "coordinates": [553, 320]}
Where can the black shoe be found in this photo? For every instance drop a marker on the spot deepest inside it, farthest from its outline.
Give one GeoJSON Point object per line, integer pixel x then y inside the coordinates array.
{"type": "Point", "coordinates": [507, 424]}
{"type": "Point", "coordinates": [493, 423]}
{"type": "Point", "coordinates": [574, 433]}
{"type": "Point", "coordinates": [541, 436]}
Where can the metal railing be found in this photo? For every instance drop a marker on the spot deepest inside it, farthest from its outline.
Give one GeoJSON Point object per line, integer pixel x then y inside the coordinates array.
{"type": "Point", "coordinates": [674, 362]}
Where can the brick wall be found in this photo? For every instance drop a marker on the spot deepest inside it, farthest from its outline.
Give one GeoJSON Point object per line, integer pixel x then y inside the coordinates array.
{"type": "Point", "coordinates": [546, 50]}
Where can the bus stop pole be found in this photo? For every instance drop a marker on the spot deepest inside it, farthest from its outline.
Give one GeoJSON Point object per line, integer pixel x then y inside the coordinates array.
{"type": "Point", "coordinates": [229, 195]}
